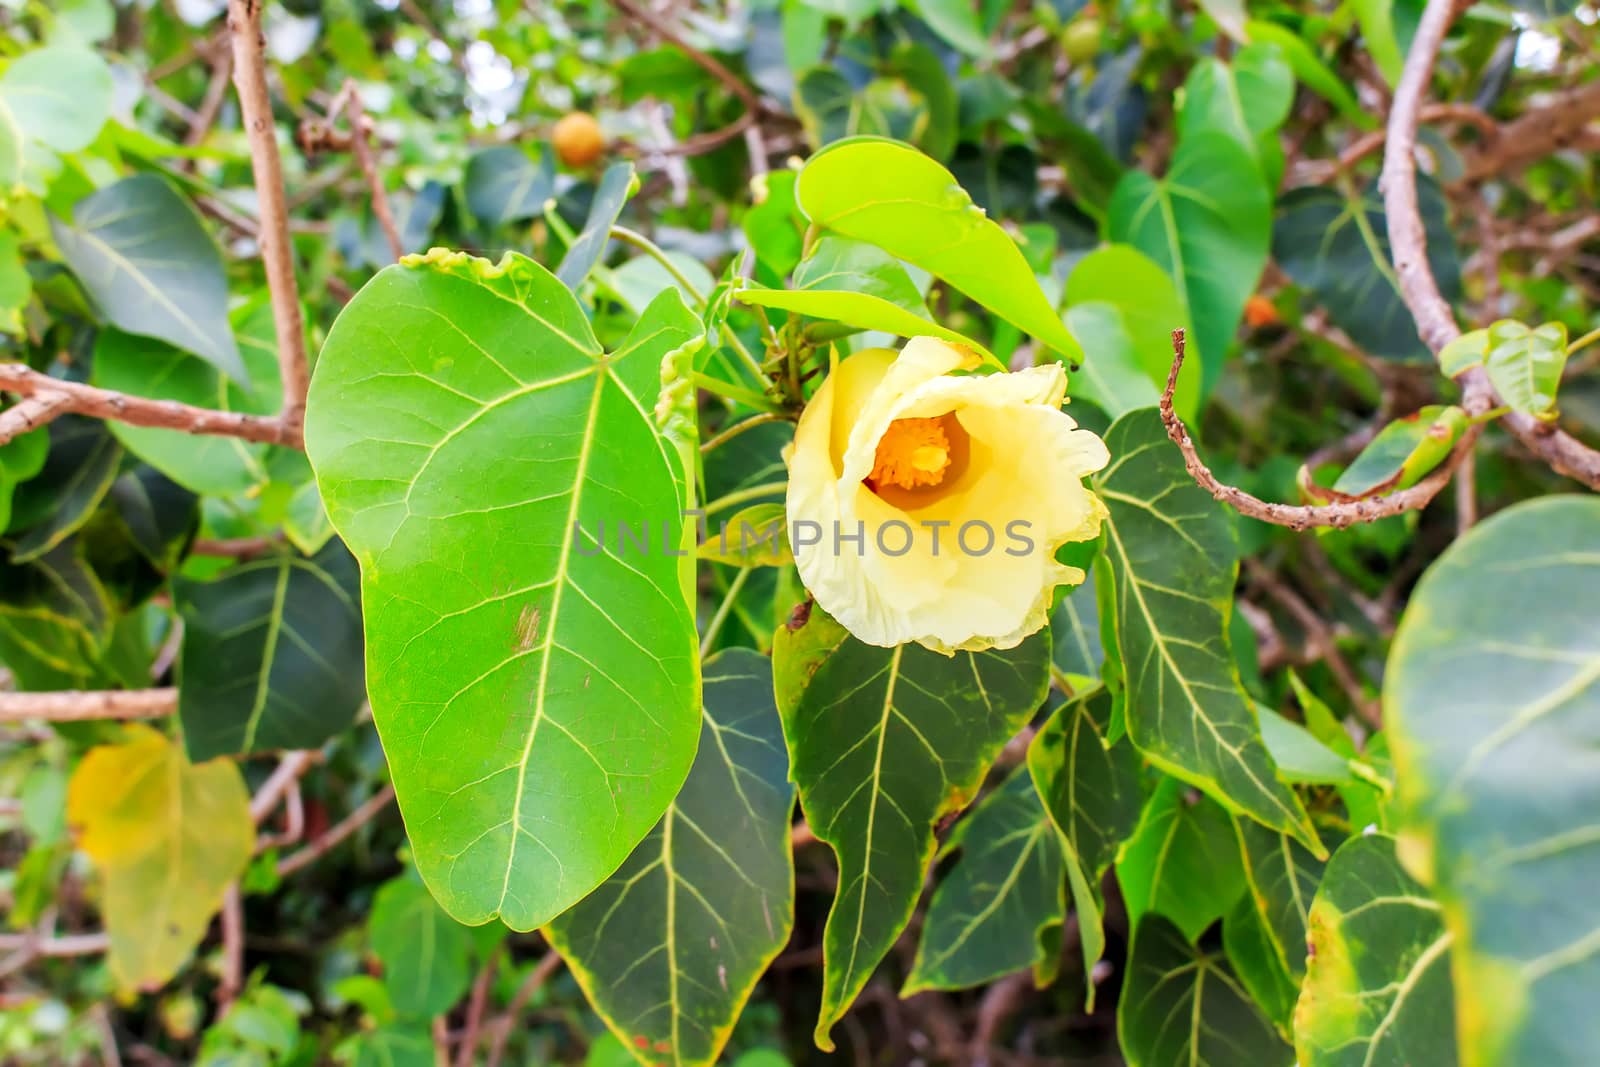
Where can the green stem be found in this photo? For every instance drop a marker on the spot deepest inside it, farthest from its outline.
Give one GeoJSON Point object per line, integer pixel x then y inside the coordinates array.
{"type": "Point", "coordinates": [746, 397]}
{"type": "Point", "coordinates": [738, 428]}
{"type": "Point", "coordinates": [553, 219]}
{"type": "Point", "coordinates": [740, 496]}
{"type": "Point", "coordinates": [655, 252]}
{"type": "Point", "coordinates": [1583, 342]}
{"type": "Point", "coordinates": [723, 610]}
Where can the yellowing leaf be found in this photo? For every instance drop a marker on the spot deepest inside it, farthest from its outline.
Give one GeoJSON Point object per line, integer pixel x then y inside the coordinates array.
{"type": "Point", "coordinates": [168, 837]}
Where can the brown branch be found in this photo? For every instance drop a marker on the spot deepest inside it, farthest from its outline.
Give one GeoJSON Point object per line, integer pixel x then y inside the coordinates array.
{"type": "Point", "coordinates": [31, 413]}
{"type": "Point", "coordinates": [1320, 641]}
{"type": "Point", "coordinates": [508, 1022]}
{"type": "Point", "coordinates": [1302, 516]}
{"type": "Point", "coordinates": [140, 411]}
{"type": "Point", "coordinates": [277, 254]}
{"type": "Point", "coordinates": [205, 116]}
{"type": "Point", "coordinates": [369, 169]}
{"type": "Point", "coordinates": [335, 834]}
{"type": "Point", "coordinates": [283, 778]}
{"type": "Point", "coordinates": [1460, 114]}
{"type": "Point", "coordinates": [234, 547]}
{"type": "Point", "coordinates": [1561, 123]}
{"type": "Point", "coordinates": [232, 923]}
{"type": "Point", "coordinates": [80, 705]}
{"type": "Point", "coordinates": [26, 947]}
{"type": "Point", "coordinates": [1435, 322]}
{"type": "Point", "coordinates": [467, 1051]}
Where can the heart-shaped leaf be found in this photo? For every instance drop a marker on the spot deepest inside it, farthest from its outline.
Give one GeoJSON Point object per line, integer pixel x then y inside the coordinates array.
{"type": "Point", "coordinates": [528, 673]}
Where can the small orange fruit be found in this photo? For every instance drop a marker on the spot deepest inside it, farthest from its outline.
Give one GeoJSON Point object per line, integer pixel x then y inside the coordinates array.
{"type": "Point", "coordinates": [578, 139]}
{"type": "Point", "coordinates": [1259, 312]}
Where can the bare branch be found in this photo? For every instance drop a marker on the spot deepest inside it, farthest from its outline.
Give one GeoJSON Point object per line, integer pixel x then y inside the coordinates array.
{"type": "Point", "coordinates": [467, 1052]}
{"type": "Point", "coordinates": [205, 116]}
{"type": "Point", "coordinates": [335, 834]}
{"type": "Point", "coordinates": [234, 547]}
{"type": "Point", "coordinates": [232, 922]}
{"type": "Point", "coordinates": [1320, 641]}
{"type": "Point", "coordinates": [1303, 516]}
{"type": "Point", "coordinates": [1564, 122]}
{"type": "Point", "coordinates": [79, 705]}
{"type": "Point", "coordinates": [140, 411]}
{"type": "Point", "coordinates": [31, 413]}
{"type": "Point", "coordinates": [285, 777]}
{"type": "Point", "coordinates": [369, 169]}
{"type": "Point", "coordinates": [277, 254]}
{"type": "Point", "coordinates": [1435, 322]}
{"type": "Point", "coordinates": [508, 1022]}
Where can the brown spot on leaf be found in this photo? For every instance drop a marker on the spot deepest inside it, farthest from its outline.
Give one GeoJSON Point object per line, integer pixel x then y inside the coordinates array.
{"type": "Point", "coordinates": [527, 627]}
{"type": "Point", "coordinates": [799, 616]}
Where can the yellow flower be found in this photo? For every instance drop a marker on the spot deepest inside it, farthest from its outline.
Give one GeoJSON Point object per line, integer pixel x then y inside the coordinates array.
{"type": "Point", "coordinates": [927, 506]}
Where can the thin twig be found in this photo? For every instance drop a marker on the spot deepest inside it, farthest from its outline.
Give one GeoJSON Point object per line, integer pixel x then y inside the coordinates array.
{"type": "Point", "coordinates": [287, 773]}
{"type": "Point", "coordinates": [277, 254]}
{"type": "Point", "coordinates": [234, 547]}
{"type": "Point", "coordinates": [79, 705]}
{"type": "Point", "coordinates": [139, 411]}
{"type": "Point", "coordinates": [232, 922]}
{"type": "Point", "coordinates": [31, 413]}
{"type": "Point", "coordinates": [1303, 516]}
{"type": "Point", "coordinates": [205, 116]}
{"type": "Point", "coordinates": [1435, 322]}
{"type": "Point", "coordinates": [738, 428]}
{"type": "Point", "coordinates": [1320, 641]}
{"type": "Point", "coordinates": [508, 1022]}
{"type": "Point", "coordinates": [467, 1051]}
{"type": "Point", "coordinates": [369, 169]}
{"type": "Point", "coordinates": [335, 834]}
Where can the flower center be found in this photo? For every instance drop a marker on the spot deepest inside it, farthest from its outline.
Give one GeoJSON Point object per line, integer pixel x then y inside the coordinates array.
{"type": "Point", "coordinates": [911, 453]}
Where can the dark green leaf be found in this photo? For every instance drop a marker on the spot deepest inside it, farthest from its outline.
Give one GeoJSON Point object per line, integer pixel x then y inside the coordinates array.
{"type": "Point", "coordinates": [1172, 556]}
{"type": "Point", "coordinates": [1000, 907]}
{"type": "Point", "coordinates": [1255, 959]}
{"type": "Point", "coordinates": [1075, 630]}
{"type": "Point", "coordinates": [1282, 877]}
{"type": "Point", "coordinates": [1338, 248]}
{"type": "Point", "coordinates": [1092, 794]}
{"type": "Point", "coordinates": [54, 620]}
{"type": "Point", "coordinates": [78, 472]}
{"type": "Point", "coordinates": [1183, 1005]}
{"type": "Point", "coordinates": [670, 947]}
{"type": "Point", "coordinates": [271, 654]}
{"type": "Point", "coordinates": [145, 258]}
{"type": "Point", "coordinates": [885, 742]}
{"type": "Point", "coordinates": [503, 185]}
{"type": "Point", "coordinates": [616, 185]}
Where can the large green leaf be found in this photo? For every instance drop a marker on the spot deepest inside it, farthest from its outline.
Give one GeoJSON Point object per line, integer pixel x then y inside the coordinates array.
{"type": "Point", "coordinates": [1338, 247]}
{"type": "Point", "coordinates": [1183, 1005]}
{"type": "Point", "coordinates": [1075, 631]}
{"type": "Point", "coordinates": [1112, 380]}
{"type": "Point", "coordinates": [884, 742]}
{"type": "Point", "coordinates": [146, 260]}
{"type": "Point", "coordinates": [1000, 907]}
{"type": "Point", "coordinates": [1377, 987]}
{"type": "Point", "coordinates": [1092, 794]}
{"type": "Point", "coordinates": [1182, 861]}
{"type": "Point", "coordinates": [1208, 224]}
{"type": "Point", "coordinates": [537, 692]}
{"type": "Point", "coordinates": [144, 367]}
{"type": "Point", "coordinates": [1150, 309]}
{"type": "Point", "coordinates": [1246, 98]}
{"type": "Point", "coordinates": [670, 947]}
{"type": "Point", "coordinates": [895, 197]}
{"type": "Point", "coordinates": [1491, 699]}
{"type": "Point", "coordinates": [1258, 963]}
{"type": "Point", "coordinates": [423, 951]}
{"type": "Point", "coordinates": [1171, 559]}
{"type": "Point", "coordinates": [271, 654]}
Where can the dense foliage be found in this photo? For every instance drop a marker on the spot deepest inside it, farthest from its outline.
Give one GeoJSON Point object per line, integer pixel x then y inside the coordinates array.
{"type": "Point", "coordinates": [393, 388]}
